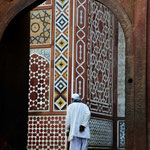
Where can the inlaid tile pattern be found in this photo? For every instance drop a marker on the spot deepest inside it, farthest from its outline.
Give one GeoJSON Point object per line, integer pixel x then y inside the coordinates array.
{"type": "Point", "coordinates": [100, 59]}
{"type": "Point", "coordinates": [80, 51]}
{"type": "Point", "coordinates": [101, 133]}
{"type": "Point", "coordinates": [40, 27]}
{"type": "Point", "coordinates": [121, 134]}
{"type": "Point", "coordinates": [61, 55]}
{"type": "Point", "coordinates": [46, 133]}
{"type": "Point", "coordinates": [39, 78]}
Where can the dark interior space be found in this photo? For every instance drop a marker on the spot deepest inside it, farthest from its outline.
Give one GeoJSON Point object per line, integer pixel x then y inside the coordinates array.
{"type": "Point", "coordinates": [14, 74]}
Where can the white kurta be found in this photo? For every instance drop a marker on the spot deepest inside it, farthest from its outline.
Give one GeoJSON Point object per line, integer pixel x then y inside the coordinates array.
{"type": "Point", "coordinates": [78, 114]}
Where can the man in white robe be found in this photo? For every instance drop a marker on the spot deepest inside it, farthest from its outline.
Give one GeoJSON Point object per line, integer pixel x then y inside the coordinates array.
{"type": "Point", "coordinates": [77, 124]}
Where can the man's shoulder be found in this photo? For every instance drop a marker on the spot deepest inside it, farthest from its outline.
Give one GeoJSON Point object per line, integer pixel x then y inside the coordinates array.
{"type": "Point", "coordinates": [77, 103]}
{"type": "Point", "coordinates": [70, 105]}
{"type": "Point", "coordinates": [85, 105]}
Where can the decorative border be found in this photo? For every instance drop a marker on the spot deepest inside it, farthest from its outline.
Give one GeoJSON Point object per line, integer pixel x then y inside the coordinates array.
{"type": "Point", "coordinates": [61, 61]}
{"type": "Point", "coordinates": [80, 47]}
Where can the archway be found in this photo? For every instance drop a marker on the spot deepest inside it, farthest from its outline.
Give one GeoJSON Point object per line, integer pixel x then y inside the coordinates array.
{"type": "Point", "coordinates": [130, 74]}
{"type": "Point", "coordinates": [77, 50]}
{"type": "Point", "coordinates": [14, 64]}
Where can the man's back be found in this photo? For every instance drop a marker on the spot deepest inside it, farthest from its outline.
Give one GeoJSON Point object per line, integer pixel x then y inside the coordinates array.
{"type": "Point", "coordinates": [78, 114]}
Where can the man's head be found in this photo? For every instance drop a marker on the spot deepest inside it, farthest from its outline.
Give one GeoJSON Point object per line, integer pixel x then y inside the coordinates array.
{"type": "Point", "coordinates": [76, 98]}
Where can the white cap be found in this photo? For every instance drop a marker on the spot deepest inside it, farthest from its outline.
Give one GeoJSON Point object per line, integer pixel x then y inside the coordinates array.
{"type": "Point", "coordinates": [76, 97]}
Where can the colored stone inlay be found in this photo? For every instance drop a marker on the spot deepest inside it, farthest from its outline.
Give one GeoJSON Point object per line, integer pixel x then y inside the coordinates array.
{"type": "Point", "coordinates": [61, 55]}
{"type": "Point", "coordinates": [46, 133]}
{"type": "Point", "coordinates": [100, 59]}
{"type": "Point", "coordinates": [40, 27]}
{"type": "Point", "coordinates": [39, 83]}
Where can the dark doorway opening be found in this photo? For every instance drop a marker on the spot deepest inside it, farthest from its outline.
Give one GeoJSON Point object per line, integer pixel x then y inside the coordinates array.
{"type": "Point", "coordinates": [14, 72]}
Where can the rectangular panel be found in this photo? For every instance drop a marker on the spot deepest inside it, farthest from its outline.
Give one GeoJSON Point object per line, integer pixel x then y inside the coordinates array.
{"type": "Point", "coordinates": [121, 134]}
{"type": "Point", "coordinates": [121, 73]}
{"type": "Point", "coordinates": [61, 55]}
{"type": "Point", "coordinates": [46, 133]}
{"type": "Point", "coordinates": [100, 59]}
{"type": "Point", "coordinates": [101, 133]}
{"type": "Point", "coordinates": [80, 37]}
{"type": "Point", "coordinates": [39, 80]}
{"type": "Point", "coordinates": [40, 27]}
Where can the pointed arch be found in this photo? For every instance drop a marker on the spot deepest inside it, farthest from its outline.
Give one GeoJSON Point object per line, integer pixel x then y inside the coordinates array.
{"type": "Point", "coordinates": [10, 8]}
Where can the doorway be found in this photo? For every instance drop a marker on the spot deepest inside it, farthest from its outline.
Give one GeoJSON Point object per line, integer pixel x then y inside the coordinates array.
{"type": "Point", "coordinates": [77, 77]}
{"type": "Point", "coordinates": [89, 59]}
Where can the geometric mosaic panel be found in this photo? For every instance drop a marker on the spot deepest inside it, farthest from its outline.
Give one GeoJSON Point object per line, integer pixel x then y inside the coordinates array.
{"type": "Point", "coordinates": [46, 133]}
{"type": "Point", "coordinates": [100, 59]}
{"type": "Point", "coordinates": [101, 133]}
{"type": "Point", "coordinates": [80, 50]}
{"type": "Point", "coordinates": [121, 134]}
{"type": "Point", "coordinates": [61, 55]}
{"type": "Point", "coordinates": [40, 27]}
{"type": "Point", "coordinates": [39, 76]}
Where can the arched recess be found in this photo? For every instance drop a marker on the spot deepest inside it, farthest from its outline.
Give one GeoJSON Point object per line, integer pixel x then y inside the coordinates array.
{"type": "Point", "coordinates": [11, 8]}
{"type": "Point", "coordinates": [126, 24]}
{"type": "Point", "coordinates": [14, 46]}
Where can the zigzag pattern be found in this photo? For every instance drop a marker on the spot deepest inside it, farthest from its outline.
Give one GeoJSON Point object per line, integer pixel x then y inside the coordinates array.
{"type": "Point", "coordinates": [62, 4]}
{"type": "Point", "coordinates": [61, 55]}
